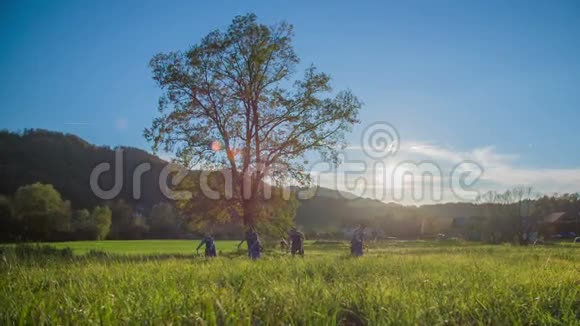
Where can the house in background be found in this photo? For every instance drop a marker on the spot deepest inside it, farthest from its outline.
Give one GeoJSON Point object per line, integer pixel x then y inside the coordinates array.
{"type": "Point", "coordinates": [560, 225]}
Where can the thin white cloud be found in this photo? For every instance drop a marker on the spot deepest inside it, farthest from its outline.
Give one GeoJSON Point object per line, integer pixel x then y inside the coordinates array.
{"type": "Point", "coordinates": [501, 170]}
{"type": "Point", "coordinates": [497, 171]}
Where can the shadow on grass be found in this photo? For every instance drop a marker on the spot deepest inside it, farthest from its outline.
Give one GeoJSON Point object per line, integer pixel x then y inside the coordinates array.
{"type": "Point", "coordinates": [46, 254]}
{"type": "Point", "coordinates": [42, 254]}
{"type": "Point", "coordinates": [31, 251]}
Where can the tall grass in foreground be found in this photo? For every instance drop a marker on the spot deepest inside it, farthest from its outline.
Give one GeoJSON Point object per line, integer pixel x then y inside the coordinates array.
{"type": "Point", "coordinates": [390, 285]}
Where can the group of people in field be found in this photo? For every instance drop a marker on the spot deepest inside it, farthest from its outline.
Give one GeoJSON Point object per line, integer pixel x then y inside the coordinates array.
{"type": "Point", "coordinates": [295, 243]}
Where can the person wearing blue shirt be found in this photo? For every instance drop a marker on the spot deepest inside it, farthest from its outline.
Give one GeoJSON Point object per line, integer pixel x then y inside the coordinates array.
{"type": "Point", "coordinates": [253, 242]}
{"type": "Point", "coordinates": [209, 244]}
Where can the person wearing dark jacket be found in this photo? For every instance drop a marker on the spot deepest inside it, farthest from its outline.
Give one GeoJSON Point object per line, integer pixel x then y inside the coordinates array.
{"type": "Point", "coordinates": [253, 242]}
{"type": "Point", "coordinates": [297, 242]}
{"type": "Point", "coordinates": [357, 242]}
{"type": "Point", "coordinates": [209, 244]}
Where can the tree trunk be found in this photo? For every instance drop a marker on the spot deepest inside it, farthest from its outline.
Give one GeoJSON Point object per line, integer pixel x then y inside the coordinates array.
{"type": "Point", "coordinates": [248, 213]}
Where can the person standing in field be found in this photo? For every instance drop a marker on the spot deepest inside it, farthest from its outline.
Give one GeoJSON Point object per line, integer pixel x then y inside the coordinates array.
{"type": "Point", "coordinates": [253, 242]}
{"type": "Point", "coordinates": [297, 241]}
{"type": "Point", "coordinates": [209, 244]}
{"type": "Point", "coordinates": [357, 241]}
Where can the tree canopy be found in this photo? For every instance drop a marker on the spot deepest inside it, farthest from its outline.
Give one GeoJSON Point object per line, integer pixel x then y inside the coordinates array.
{"type": "Point", "coordinates": [41, 209]}
{"type": "Point", "coordinates": [233, 102]}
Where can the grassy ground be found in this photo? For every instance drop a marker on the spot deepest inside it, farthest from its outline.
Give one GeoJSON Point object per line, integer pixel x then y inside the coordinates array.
{"type": "Point", "coordinates": [394, 283]}
{"type": "Point", "coordinates": [142, 247]}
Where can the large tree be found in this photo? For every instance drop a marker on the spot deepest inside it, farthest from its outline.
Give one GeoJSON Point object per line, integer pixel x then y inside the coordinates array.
{"type": "Point", "coordinates": [232, 102]}
{"type": "Point", "coordinates": [41, 211]}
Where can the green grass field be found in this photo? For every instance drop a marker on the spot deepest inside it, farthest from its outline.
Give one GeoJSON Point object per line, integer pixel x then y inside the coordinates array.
{"type": "Point", "coordinates": [409, 283]}
{"type": "Point", "coordinates": [142, 247]}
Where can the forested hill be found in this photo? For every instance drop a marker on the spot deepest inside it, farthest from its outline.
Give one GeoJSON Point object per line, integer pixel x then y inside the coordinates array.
{"type": "Point", "coordinates": [66, 161]}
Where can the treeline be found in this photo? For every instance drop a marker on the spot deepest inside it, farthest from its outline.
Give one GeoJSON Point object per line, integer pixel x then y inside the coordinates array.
{"type": "Point", "coordinates": [37, 212]}
{"type": "Point", "coordinates": [65, 163]}
{"type": "Point", "coordinates": [496, 217]}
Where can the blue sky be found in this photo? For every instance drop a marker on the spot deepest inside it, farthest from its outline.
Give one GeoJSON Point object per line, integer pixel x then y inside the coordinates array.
{"type": "Point", "coordinates": [456, 78]}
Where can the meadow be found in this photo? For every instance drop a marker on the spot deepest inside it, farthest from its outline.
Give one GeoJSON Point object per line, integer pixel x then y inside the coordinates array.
{"type": "Point", "coordinates": [402, 283]}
